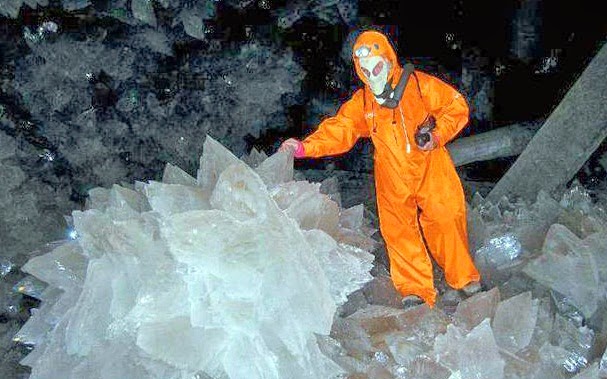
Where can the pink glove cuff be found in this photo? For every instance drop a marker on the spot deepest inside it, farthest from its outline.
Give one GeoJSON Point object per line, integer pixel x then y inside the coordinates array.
{"type": "Point", "coordinates": [299, 151]}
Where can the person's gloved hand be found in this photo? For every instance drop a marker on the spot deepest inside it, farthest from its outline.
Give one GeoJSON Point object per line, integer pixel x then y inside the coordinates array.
{"type": "Point", "coordinates": [431, 144]}
{"type": "Point", "coordinates": [294, 145]}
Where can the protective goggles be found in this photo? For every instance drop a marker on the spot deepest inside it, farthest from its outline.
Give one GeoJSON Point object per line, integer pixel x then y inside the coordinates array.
{"type": "Point", "coordinates": [362, 52]}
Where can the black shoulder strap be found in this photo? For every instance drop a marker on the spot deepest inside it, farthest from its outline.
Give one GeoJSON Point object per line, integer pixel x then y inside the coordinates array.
{"type": "Point", "coordinates": [392, 98]}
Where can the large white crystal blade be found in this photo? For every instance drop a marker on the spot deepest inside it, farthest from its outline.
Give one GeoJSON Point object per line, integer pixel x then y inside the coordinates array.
{"type": "Point", "coordinates": [98, 198]}
{"type": "Point", "coordinates": [308, 292]}
{"type": "Point", "coordinates": [197, 237]}
{"type": "Point", "coordinates": [403, 349]}
{"type": "Point", "coordinates": [346, 267]}
{"type": "Point", "coordinates": [66, 301]}
{"type": "Point", "coordinates": [64, 267]}
{"type": "Point", "coordinates": [473, 310]}
{"type": "Point", "coordinates": [560, 240]}
{"type": "Point", "coordinates": [157, 303]}
{"type": "Point", "coordinates": [214, 160]}
{"type": "Point", "coordinates": [124, 197]}
{"type": "Point", "coordinates": [358, 331]}
{"type": "Point", "coordinates": [578, 340]}
{"type": "Point", "coordinates": [113, 360]}
{"type": "Point", "coordinates": [424, 324]}
{"type": "Point", "coordinates": [254, 158]}
{"type": "Point", "coordinates": [241, 192]}
{"type": "Point", "coordinates": [139, 250]}
{"type": "Point", "coordinates": [277, 169]}
{"type": "Point", "coordinates": [167, 199]}
{"type": "Point", "coordinates": [140, 237]}
{"type": "Point", "coordinates": [91, 317]}
{"type": "Point", "coordinates": [543, 325]}
{"type": "Point", "coordinates": [265, 366]}
{"type": "Point", "coordinates": [315, 211]}
{"type": "Point", "coordinates": [352, 218]}
{"type": "Point", "coordinates": [35, 329]}
{"type": "Point", "coordinates": [175, 175]}
{"type": "Point", "coordinates": [101, 234]}
{"type": "Point", "coordinates": [285, 194]}
{"type": "Point", "coordinates": [55, 362]}
{"type": "Point", "coordinates": [181, 345]}
{"type": "Point", "coordinates": [93, 228]}
{"type": "Point", "coordinates": [124, 287]}
{"type": "Point", "coordinates": [514, 322]}
{"type": "Point", "coordinates": [596, 244]}
{"type": "Point", "coordinates": [533, 226]}
{"type": "Point", "coordinates": [425, 368]}
{"type": "Point", "coordinates": [568, 268]}
{"type": "Point", "coordinates": [333, 349]}
{"type": "Point", "coordinates": [475, 355]}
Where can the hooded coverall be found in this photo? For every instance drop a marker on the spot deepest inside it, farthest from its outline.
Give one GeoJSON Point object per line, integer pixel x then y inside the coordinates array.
{"type": "Point", "coordinates": [406, 177]}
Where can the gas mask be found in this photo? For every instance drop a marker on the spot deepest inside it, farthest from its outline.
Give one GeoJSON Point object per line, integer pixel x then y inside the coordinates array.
{"type": "Point", "coordinates": [376, 69]}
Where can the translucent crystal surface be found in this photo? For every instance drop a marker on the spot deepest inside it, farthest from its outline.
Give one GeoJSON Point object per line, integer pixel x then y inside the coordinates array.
{"type": "Point", "coordinates": [569, 268]}
{"type": "Point", "coordinates": [473, 310]}
{"type": "Point", "coordinates": [514, 322]}
{"type": "Point", "coordinates": [209, 277]}
{"type": "Point", "coordinates": [474, 355]}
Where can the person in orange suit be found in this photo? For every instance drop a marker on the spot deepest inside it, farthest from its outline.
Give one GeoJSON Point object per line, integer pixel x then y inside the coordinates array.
{"type": "Point", "coordinates": [416, 182]}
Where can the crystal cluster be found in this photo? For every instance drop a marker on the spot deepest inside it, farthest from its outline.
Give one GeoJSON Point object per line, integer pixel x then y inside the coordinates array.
{"type": "Point", "coordinates": [100, 115]}
{"type": "Point", "coordinates": [541, 317]}
{"type": "Point", "coordinates": [269, 270]}
{"type": "Point", "coordinates": [231, 274]}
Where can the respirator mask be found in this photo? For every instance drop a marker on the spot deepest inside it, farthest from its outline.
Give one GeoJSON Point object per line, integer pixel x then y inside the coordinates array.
{"type": "Point", "coordinates": [376, 69]}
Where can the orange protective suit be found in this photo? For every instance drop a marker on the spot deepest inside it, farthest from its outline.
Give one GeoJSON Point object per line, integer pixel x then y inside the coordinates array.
{"type": "Point", "coordinates": [407, 178]}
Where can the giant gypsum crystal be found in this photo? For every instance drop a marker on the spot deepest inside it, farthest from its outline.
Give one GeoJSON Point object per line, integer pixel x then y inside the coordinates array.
{"type": "Point", "coordinates": [207, 277]}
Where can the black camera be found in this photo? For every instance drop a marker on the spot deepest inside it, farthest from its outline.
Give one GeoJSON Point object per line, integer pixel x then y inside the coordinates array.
{"type": "Point", "coordinates": [422, 135]}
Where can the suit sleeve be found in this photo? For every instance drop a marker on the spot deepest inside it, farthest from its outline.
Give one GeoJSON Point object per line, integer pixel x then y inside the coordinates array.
{"type": "Point", "coordinates": [338, 134]}
{"type": "Point", "coordinates": [446, 104]}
